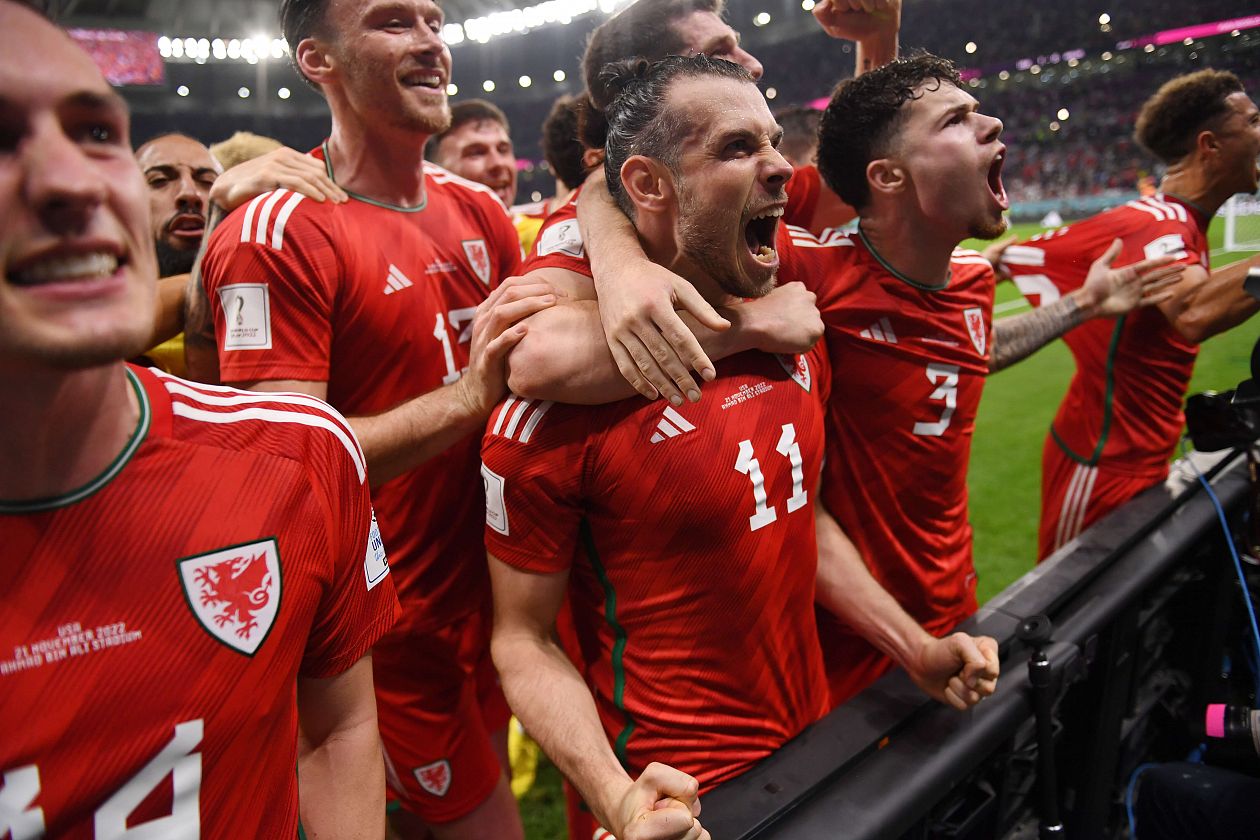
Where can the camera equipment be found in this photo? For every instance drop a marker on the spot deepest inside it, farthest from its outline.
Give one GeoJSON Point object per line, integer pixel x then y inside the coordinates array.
{"type": "Point", "coordinates": [1230, 419]}
{"type": "Point", "coordinates": [1233, 723]}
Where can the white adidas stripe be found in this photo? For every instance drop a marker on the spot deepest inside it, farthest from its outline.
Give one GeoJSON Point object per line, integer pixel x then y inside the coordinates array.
{"type": "Point", "coordinates": [516, 418]}
{"type": "Point", "coordinates": [1024, 255]}
{"type": "Point", "coordinates": [277, 230]}
{"type": "Point", "coordinates": [271, 415]}
{"type": "Point", "coordinates": [264, 215]}
{"type": "Point", "coordinates": [248, 224]}
{"type": "Point", "coordinates": [503, 410]}
{"type": "Point", "coordinates": [1075, 504]}
{"type": "Point", "coordinates": [1145, 209]}
{"type": "Point", "coordinates": [534, 420]}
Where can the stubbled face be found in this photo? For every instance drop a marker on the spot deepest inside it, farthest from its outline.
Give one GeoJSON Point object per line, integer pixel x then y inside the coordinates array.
{"type": "Point", "coordinates": [391, 62]}
{"type": "Point", "coordinates": [1239, 136]}
{"type": "Point", "coordinates": [953, 157]}
{"type": "Point", "coordinates": [77, 268]}
{"type": "Point", "coordinates": [706, 33]}
{"type": "Point", "coordinates": [180, 172]}
{"type": "Point", "coordinates": [481, 151]}
{"type": "Point", "coordinates": [730, 183]}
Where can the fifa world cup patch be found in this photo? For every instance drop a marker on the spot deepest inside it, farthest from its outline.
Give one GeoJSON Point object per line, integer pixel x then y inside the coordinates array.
{"type": "Point", "coordinates": [375, 566]}
{"type": "Point", "coordinates": [562, 238]}
{"type": "Point", "coordinates": [435, 778]}
{"type": "Point", "coordinates": [234, 592]}
{"type": "Point", "coordinates": [496, 504]}
{"type": "Point", "coordinates": [246, 316]}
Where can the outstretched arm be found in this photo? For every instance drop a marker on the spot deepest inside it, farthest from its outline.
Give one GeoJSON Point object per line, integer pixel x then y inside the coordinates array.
{"type": "Point", "coordinates": [1202, 305]}
{"type": "Point", "coordinates": [1106, 292]}
{"type": "Point", "coordinates": [958, 669]}
{"type": "Point", "coordinates": [341, 777]}
{"type": "Point", "coordinates": [555, 706]}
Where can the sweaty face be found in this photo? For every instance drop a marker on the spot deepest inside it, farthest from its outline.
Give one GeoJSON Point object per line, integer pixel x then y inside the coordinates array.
{"type": "Point", "coordinates": [391, 63]}
{"type": "Point", "coordinates": [706, 33]}
{"type": "Point", "coordinates": [77, 269]}
{"type": "Point", "coordinates": [481, 151]}
{"type": "Point", "coordinates": [179, 172]}
{"type": "Point", "coordinates": [1239, 135]}
{"type": "Point", "coordinates": [730, 184]}
{"type": "Point", "coordinates": [953, 157]}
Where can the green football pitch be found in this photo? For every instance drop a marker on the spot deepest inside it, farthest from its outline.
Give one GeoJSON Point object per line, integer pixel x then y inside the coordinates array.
{"type": "Point", "coordinates": [1005, 474]}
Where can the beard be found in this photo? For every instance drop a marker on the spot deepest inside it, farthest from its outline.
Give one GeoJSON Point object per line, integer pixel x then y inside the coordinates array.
{"type": "Point", "coordinates": [702, 232]}
{"type": "Point", "coordinates": [987, 230]}
{"type": "Point", "coordinates": [172, 260]}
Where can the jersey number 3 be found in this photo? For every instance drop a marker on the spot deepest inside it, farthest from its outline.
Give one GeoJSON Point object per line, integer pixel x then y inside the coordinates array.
{"type": "Point", "coordinates": [945, 378]}
{"type": "Point", "coordinates": [747, 464]}
{"type": "Point", "coordinates": [20, 819]}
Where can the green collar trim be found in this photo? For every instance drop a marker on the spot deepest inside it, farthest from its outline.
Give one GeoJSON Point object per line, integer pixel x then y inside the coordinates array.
{"type": "Point", "coordinates": [328, 167]}
{"type": "Point", "coordinates": [925, 287]}
{"type": "Point", "coordinates": [111, 471]}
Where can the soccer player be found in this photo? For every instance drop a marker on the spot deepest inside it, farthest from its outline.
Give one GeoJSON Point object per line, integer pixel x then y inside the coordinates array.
{"type": "Point", "coordinates": [692, 590]}
{"type": "Point", "coordinates": [374, 305]}
{"type": "Point", "coordinates": [1121, 417]}
{"type": "Point", "coordinates": [180, 173]}
{"type": "Point", "coordinates": [478, 146]}
{"type": "Point", "coordinates": [189, 574]}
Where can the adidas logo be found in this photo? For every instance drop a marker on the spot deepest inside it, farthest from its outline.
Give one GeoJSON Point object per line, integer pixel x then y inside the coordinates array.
{"type": "Point", "coordinates": [395, 280]}
{"type": "Point", "coordinates": [881, 330]}
{"type": "Point", "coordinates": [671, 425]}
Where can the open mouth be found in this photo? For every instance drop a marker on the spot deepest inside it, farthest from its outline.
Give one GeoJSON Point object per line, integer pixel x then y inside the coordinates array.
{"type": "Point", "coordinates": [759, 234]}
{"type": "Point", "coordinates": [995, 181]}
{"type": "Point", "coordinates": [187, 225]}
{"type": "Point", "coordinates": [66, 268]}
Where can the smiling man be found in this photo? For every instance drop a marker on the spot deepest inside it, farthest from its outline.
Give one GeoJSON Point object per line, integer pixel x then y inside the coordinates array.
{"type": "Point", "coordinates": [478, 146]}
{"type": "Point", "coordinates": [373, 304]}
{"type": "Point", "coordinates": [189, 575]}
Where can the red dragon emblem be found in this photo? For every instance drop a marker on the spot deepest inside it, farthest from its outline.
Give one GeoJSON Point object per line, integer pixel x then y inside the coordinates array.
{"type": "Point", "coordinates": [435, 777]}
{"type": "Point", "coordinates": [235, 592]}
{"type": "Point", "coordinates": [241, 586]}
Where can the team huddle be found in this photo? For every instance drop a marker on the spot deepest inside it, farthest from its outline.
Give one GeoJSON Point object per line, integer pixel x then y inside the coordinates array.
{"type": "Point", "coordinates": [668, 489]}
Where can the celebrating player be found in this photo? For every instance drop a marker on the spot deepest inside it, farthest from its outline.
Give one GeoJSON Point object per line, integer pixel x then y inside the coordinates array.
{"type": "Point", "coordinates": [374, 304]}
{"type": "Point", "coordinates": [1121, 417]}
{"type": "Point", "coordinates": [188, 573]}
{"type": "Point", "coordinates": [719, 544]}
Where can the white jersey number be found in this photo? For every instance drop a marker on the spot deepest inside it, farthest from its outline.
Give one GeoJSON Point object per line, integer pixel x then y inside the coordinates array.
{"type": "Point", "coordinates": [945, 378]}
{"type": "Point", "coordinates": [747, 464]}
{"type": "Point", "coordinates": [178, 759]}
{"type": "Point", "coordinates": [457, 318]}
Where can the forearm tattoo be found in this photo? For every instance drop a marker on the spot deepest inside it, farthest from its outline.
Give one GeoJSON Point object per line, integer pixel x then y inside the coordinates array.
{"type": "Point", "coordinates": [1017, 337]}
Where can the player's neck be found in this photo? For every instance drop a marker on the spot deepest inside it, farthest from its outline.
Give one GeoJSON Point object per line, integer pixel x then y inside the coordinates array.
{"type": "Point", "coordinates": [377, 165]}
{"type": "Point", "coordinates": [61, 430]}
{"type": "Point", "coordinates": [663, 248]}
{"type": "Point", "coordinates": [917, 254]}
{"type": "Point", "coordinates": [1192, 185]}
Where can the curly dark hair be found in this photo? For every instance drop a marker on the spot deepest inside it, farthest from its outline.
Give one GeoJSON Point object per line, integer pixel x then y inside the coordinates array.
{"type": "Point", "coordinates": [561, 145]}
{"type": "Point", "coordinates": [863, 117]}
{"type": "Point", "coordinates": [639, 123]}
{"type": "Point", "coordinates": [1171, 119]}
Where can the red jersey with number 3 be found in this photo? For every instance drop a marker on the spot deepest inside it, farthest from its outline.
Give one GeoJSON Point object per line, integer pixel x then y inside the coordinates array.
{"type": "Point", "coordinates": [1124, 405]}
{"type": "Point", "coordinates": [153, 623]}
{"type": "Point", "coordinates": [688, 534]}
{"type": "Point", "coordinates": [378, 302]}
{"type": "Point", "coordinates": [908, 366]}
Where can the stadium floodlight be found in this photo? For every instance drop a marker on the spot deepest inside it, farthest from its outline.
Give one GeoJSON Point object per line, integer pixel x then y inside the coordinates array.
{"type": "Point", "coordinates": [1104, 19]}
{"type": "Point", "coordinates": [524, 81]}
{"type": "Point", "coordinates": [1063, 114]}
{"type": "Point", "coordinates": [452, 33]}
{"type": "Point", "coordinates": [970, 48]}
{"type": "Point", "coordinates": [771, 93]}
{"type": "Point", "coordinates": [451, 88]}
{"type": "Point", "coordinates": [1054, 126]}
{"type": "Point", "coordinates": [487, 86]}
{"type": "Point", "coordinates": [242, 92]}
{"type": "Point", "coordinates": [182, 90]}
{"type": "Point", "coordinates": [1004, 75]}
{"type": "Point", "coordinates": [234, 48]}
{"type": "Point", "coordinates": [807, 5]}
{"type": "Point", "coordinates": [284, 93]}
{"type": "Point", "coordinates": [558, 75]}
{"type": "Point", "coordinates": [1106, 56]}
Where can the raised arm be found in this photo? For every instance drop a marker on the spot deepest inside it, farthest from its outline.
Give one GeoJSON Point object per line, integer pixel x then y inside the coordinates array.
{"type": "Point", "coordinates": [958, 669]}
{"type": "Point", "coordinates": [341, 776]}
{"type": "Point", "coordinates": [1202, 305]}
{"type": "Point", "coordinates": [1106, 292]}
{"type": "Point", "coordinates": [555, 706]}
{"type": "Point", "coordinates": [873, 24]}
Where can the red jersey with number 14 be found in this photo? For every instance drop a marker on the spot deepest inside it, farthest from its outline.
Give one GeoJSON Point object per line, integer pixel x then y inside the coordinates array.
{"type": "Point", "coordinates": [378, 302]}
{"type": "Point", "coordinates": [153, 623]}
{"type": "Point", "coordinates": [688, 534]}
{"type": "Point", "coordinates": [1123, 406]}
{"type": "Point", "coordinates": [908, 368]}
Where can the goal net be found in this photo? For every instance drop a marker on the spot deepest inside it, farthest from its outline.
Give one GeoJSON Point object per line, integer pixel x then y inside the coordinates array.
{"type": "Point", "coordinates": [1242, 223]}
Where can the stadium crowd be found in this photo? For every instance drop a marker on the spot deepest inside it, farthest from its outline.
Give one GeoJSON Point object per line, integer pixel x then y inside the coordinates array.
{"type": "Point", "coordinates": [308, 462]}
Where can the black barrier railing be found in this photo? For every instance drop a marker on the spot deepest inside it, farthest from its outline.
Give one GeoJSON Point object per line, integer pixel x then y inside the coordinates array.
{"type": "Point", "coordinates": [892, 764]}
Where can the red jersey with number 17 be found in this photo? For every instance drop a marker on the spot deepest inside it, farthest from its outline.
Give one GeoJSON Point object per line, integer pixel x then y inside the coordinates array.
{"type": "Point", "coordinates": [378, 302]}
{"type": "Point", "coordinates": [688, 534]}
{"type": "Point", "coordinates": [154, 622]}
{"type": "Point", "coordinates": [1123, 406]}
{"type": "Point", "coordinates": [908, 367]}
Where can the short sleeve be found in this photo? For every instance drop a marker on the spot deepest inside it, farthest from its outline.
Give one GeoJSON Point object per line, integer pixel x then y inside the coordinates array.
{"type": "Point", "coordinates": [533, 456]}
{"type": "Point", "coordinates": [271, 274]}
{"type": "Point", "coordinates": [559, 243]}
{"type": "Point", "coordinates": [802, 191]}
{"type": "Point", "coordinates": [359, 603]}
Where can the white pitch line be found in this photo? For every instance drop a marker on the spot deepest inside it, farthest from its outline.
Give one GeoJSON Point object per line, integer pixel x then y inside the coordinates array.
{"type": "Point", "coordinates": [1010, 306]}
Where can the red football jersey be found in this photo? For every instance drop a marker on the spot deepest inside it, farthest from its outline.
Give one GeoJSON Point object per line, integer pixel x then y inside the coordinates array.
{"type": "Point", "coordinates": [1123, 406]}
{"type": "Point", "coordinates": [803, 189]}
{"type": "Point", "coordinates": [154, 622]}
{"type": "Point", "coordinates": [378, 302]}
{"type": "Point", "coordinates": [908, 366]}
{"type": "Point", "coordinates": [682, 529]}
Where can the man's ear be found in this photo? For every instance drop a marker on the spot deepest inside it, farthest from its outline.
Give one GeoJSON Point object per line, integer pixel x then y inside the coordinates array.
{"type": "Point", "coordinates": [886, 176]}
{"type": "Point", "coordinates": [313, 59]}
{"type": "Point", "coordinates": [1206, 144]}
{"type": "Point", "coordinates": [648, 184]}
